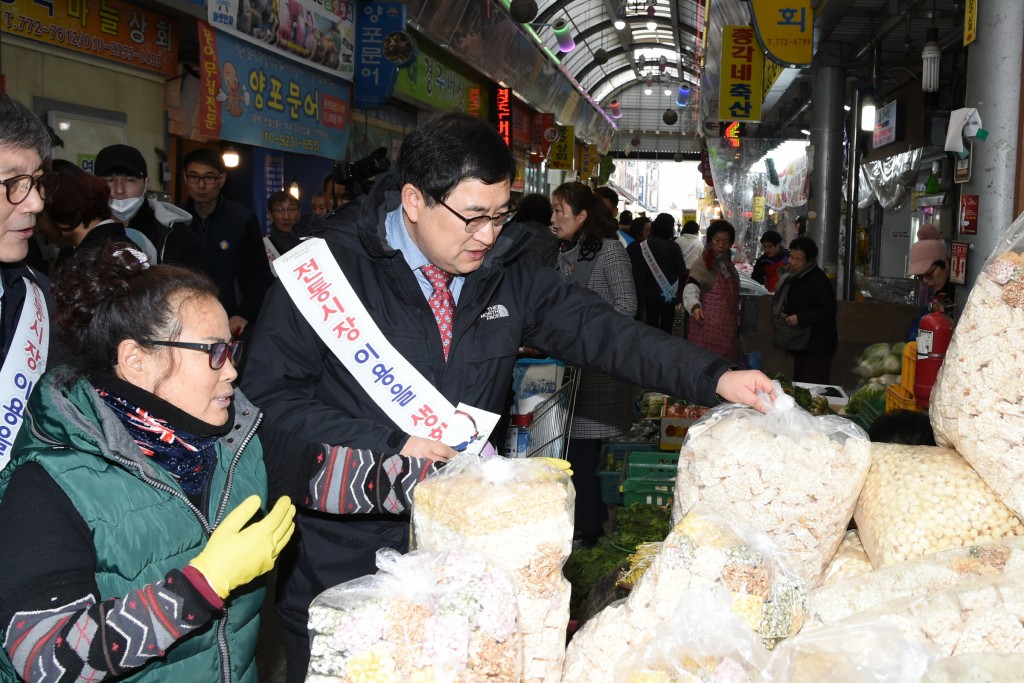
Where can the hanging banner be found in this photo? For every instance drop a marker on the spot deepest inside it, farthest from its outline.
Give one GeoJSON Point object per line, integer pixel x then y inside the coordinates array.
{"type": "Point", "coordinates": [772, 71]}
{"type": "Point", "coordinates": [501, 113]}
{"type": "Point", "coordinates": [318, 34]}
{"type": "Point", "coordinates": [785, 29]}
{"type": "Point", "coordinates": [739, 90]}
{"type": "Point", "coordinates": [563, 150]}
{"type": "Point", "coordinates": [382, 47]}
{"type": "Point", "coordinates": [109, 29]}
{"type": "Point", "coordinates": [253, 96]}
{"type": "Point", "coordinates": [970, 21]}
{"type": "Point", "coordinates": [587, 162]}
{"type": "Point", "coordinates": [544, 132]}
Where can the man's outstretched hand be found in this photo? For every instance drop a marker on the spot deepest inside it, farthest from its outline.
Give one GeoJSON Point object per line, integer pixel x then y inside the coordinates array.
{"type": "Point", "coordinates": [742, 386]}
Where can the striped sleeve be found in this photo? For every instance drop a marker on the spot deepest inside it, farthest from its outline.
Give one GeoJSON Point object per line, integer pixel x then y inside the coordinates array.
{"type": "Point", "coordinates": [354, 481]}
{"type": "Point", "coordinates": [95, 641]}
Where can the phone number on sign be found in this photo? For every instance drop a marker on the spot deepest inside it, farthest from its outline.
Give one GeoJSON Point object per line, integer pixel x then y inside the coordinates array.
{"type": "Point", "coordinates": [290, 141]}
{"type": "Point", "coordinates": [69, 36]}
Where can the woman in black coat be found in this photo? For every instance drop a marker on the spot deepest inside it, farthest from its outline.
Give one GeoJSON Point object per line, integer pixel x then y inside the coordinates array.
{"type": "Point", "coordinates": [810, 301]}
{"type": "Point", "coordinates": [657, 306]}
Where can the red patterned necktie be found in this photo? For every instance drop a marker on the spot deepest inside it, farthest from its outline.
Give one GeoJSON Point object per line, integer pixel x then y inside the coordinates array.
{"type": "Point", "coordinates": [442, 303]}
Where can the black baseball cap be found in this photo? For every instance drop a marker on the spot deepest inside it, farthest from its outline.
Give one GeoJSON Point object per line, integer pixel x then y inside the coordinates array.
{"type": "Point", "coordinates": [121, 159]}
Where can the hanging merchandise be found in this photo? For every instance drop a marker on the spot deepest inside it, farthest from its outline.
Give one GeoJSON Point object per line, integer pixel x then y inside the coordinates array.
{"type": "Point", "coordinates": [892, 179]}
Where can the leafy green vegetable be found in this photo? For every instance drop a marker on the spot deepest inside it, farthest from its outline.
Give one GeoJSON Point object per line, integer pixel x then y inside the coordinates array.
{"type": "Point", "coordinates": [866, 392]}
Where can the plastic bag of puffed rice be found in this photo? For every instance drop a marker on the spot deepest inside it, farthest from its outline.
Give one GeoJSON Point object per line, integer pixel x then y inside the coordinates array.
{"type": "Point", "coordinates": [977, 403]}
{"type": "Point", "coordinates": [790, 474]}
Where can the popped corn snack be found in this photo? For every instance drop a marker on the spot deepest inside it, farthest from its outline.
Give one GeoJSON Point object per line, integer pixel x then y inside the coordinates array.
{"type": "Point", "coordinates": [519, 513]}
{"type": "Point", "coordinates": [977, 403]}
{"type": "Point", "coordinates": [705, 640]}
{"type": "Point", "coordinates": [862, 653]}
{"type": "Point", "coordinates": [425, 617]}
{"type": "Point", "coordinates": [704, 550]}
{"type": "Point", "coordinates": [792, 475]}
{"type": "Point", "coordinates": [921, 577]}
{"type": "Point", "coordinates": [849, 560]}
{"type": "Point", "coordinates": [919, 500]}
{"type": "Point", "coordinates": [975, 617]}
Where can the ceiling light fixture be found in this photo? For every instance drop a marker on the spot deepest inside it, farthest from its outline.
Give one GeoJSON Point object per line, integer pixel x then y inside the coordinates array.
{"type": "Point", "coordinates": [652, 25]}
{"type": "Point", "coordinates": [293, 189]}
{"type": "Point", "coordinates": [563, 34]}
{"type": "Point", "coordinates": [931, 56]}
{"type": "Point", "coordinates": [683, 96]}
{"type": "Point", "coordinates": [619, 24]}
{"type": "Point", "coordinates": [804, 131]}
{"type": "Point", "coordinates": [616, 109]}
{"type": "Point", "coordinates": [230, 157]}
{"type": "Point", "coordinates": [867, 113]}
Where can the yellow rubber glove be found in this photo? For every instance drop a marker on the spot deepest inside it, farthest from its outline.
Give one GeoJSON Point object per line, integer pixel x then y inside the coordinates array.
{"type": "Point", "coordinates": [235, 556]}
{"type": "Point", "coordinates": [559, 464]}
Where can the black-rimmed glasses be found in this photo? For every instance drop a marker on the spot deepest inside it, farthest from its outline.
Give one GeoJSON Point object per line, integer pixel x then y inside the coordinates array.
{"type": "Point", "coordinates": [478, 222]}
{"type": "Point", "coordinates": [196, 179]}
{"type": "Point", "coordinates": [219, 351]}
{"type": "Point", "coordinates": [19, 187]}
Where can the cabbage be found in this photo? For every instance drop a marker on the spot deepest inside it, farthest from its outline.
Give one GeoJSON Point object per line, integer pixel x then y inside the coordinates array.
{"type": "Point", "coordinates": [880, 350]}
{"type": "Point", "coordinates": [870, 367]}
{"type": "Point", "coordinates": [893, 363]}
{"type": "Point", "coordinates": [864, 393]}
{"type": "Point", "coordinates": [897, 348]}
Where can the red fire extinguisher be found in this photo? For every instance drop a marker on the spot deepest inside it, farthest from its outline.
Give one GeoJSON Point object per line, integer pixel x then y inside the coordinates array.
{"type": "Point", "coordinates": [933, 336]}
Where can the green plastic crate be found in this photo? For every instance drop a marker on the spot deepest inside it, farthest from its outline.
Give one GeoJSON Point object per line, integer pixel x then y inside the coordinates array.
{"type": "Point", "coordinates": [647, 491]}
{"type": "Point", "coordinates": [610, 481]}
{"type": "Point", "coordinates": [651, 465]}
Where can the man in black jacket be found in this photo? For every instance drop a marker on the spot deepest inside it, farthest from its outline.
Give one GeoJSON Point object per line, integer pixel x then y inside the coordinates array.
{"type": "Point", "coordinates": [164, 225]}
{"type": "Point", "coordinates": [24, 323]}
{"type": "Point", "coordinates": [232, 236]}
{"type": "Point", "coordinates": [446, 206]}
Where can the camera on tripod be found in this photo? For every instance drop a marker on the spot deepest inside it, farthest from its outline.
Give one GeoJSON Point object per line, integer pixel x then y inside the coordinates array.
{"type": "Point", "coordinates": [357, 176]}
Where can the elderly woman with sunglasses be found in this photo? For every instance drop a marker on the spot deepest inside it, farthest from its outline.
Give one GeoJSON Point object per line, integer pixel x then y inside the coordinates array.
{"type": "Point", "coordinates": [137, 513]}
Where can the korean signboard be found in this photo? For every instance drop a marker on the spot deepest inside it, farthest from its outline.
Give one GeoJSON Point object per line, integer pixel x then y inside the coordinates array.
{"type": "Point", "coordinates": [253, 96]}
{"type": "Point", "coordinates": [739, 90]}
{"type": "Point", "coordinates": [441, 82]}
{"type": "Point", "coordinates": [563, 150]}
{"type": "Point", "coordinates": [109, 29]}
{"type": "Point", "coordinates": [382, 47]}
{"type": "Point", "coordinates": [969, 214]}
{"type": "Point", "coordinates": [970, 21]}
{"type": "Point", "coordinates": [785, 29]}
{"type": "Point", "coordinates": [501, 113]}
{"type": "Point", "coordinates": [958, 263]}
{"type": "Point", "coordinates": [316, 33]}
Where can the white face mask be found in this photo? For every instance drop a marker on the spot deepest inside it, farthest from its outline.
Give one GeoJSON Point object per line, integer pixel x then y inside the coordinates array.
{"type": "Point", "coordinates": [124, 209]}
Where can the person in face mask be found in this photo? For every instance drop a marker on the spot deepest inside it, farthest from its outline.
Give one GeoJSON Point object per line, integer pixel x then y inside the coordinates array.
{"type": "Point", "coordinates": [164, 225]}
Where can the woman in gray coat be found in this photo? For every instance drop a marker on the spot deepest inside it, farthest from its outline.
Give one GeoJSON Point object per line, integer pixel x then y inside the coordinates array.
{"type": "Point", "coordinates": [593, 257]}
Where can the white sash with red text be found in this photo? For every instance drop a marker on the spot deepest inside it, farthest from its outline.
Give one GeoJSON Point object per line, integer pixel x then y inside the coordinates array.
{"type": "Point", "coordinates": [325, 298]}
{"type": "Point", "coordinates": [23, 366]}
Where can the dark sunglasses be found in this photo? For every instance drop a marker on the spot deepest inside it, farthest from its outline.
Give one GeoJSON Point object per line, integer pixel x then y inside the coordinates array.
{"type": "Point", "coordinates": [219, 352]}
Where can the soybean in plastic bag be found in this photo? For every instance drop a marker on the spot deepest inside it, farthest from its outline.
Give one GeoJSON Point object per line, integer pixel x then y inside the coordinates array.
{"type": "Point", "coordinates": [793, 475]}
{"type": "Point", "coordinates": [425, 616]}
{"type": "Point", "coordinates": [976, 403]}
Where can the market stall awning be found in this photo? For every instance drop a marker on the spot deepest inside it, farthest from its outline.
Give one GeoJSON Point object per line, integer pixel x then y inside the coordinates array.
{"type": "Point", "coordinates": [624, 193]}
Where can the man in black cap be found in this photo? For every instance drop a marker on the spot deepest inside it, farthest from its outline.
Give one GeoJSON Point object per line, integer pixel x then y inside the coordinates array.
{"type": "Point", "coordinates": [164, 225]}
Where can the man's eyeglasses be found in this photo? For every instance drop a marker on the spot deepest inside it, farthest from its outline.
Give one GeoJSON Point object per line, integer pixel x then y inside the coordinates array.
{"type": "Point", "coordinates": [285, 209]}
{"type": "Point", "coordinates": [478, 222]}
{"type": "Point", "coordinates": [219, 352]}
{"type": "Point", "coordinates": [196, 179]}
{"type": "Point", "coordinates": [19, 187]}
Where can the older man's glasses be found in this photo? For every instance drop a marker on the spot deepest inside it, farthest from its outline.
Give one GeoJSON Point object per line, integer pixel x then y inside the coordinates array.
{"type": "Point", "coordinates": [207, 179]}
{"type": "Point", "coordinates": [927, 275]}
{"type": "Point", "coordinates": [478, 222]}
{"type": "Point", "coordinates": [19, 187]}
{"type": "Point", "coordinates": [219, 352]}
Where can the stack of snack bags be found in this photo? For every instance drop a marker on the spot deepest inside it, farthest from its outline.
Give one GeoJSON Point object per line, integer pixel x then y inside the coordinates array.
{"type": "Point", "coordinates": [705, 551]}
{"type": "Point", "coordinates": [424, 617]}
{"type": "Point", "coordinates": [519, 513]}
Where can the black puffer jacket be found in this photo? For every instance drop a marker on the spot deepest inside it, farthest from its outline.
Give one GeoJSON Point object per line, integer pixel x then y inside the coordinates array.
{"type": "Point", "coordinates": [507, 303]}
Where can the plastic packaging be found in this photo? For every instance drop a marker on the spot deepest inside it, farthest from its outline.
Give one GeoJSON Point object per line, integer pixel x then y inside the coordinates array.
{"type": "Point", "coordinates": [705, 550]}
{"type": "Point", "coordinates": [703, 641]}
{"type": "Point", "coordinates": [792, 475]}
{"type": "Point", "coordinates": [974, 617]}
{"type": "Point", "coordinates": [519, 513]}
{"type": "Point", "coordinates": [864, 653]}
{"type": "Point", "coordinates": [919, 500]}
{"type": "Point", "coordinates": [850, 560]}
{"type": "Point", "coordinates": [986, 668]}
{"type": "Point", "coordinates": [976, 403]}
{"type": "Point", "coordinates": [921, 577]}
{"type": "Point", "coordinates": [429, 617]}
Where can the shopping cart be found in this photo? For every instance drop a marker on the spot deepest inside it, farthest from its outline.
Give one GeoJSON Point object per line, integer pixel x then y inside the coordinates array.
{"type": "Point", "coordinates": [551, 420]}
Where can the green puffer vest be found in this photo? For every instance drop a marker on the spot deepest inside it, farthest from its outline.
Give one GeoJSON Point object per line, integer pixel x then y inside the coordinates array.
{"type": "Point", "coordinates": [142, 523]}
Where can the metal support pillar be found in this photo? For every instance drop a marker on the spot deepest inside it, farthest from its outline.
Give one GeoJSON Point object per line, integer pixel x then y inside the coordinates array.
{"type": "Point", "coordinates": [827, 175]}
